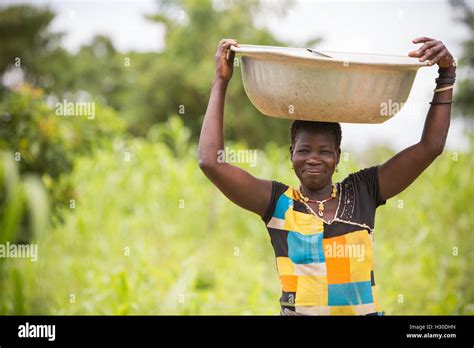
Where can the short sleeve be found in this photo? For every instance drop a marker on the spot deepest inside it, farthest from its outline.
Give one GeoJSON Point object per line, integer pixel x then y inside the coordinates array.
{"type": "Point", "coordinates": [368, 179]}
{"type": "Point", "coordinates": [277, 190]}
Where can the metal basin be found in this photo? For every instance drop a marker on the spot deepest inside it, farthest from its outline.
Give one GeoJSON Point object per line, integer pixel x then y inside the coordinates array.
{"type": "Point", "coordinates": [299, 83]}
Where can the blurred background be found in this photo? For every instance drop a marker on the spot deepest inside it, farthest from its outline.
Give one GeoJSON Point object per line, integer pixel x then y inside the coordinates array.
{"type": "Point", "coordinates": [124, 220]}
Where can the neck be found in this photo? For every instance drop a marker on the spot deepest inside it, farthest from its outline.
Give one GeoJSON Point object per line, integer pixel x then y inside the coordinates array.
{"type": "Point", "coordinates": [317, 194]}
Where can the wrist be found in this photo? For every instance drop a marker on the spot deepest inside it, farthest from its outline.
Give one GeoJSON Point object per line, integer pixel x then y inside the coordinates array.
{"type": "Point", "coordinates": [220, 80]}
{"type": "Point", "coordinates": [451, 70]}
{"type": "Point", "coordinates": [220, 83]}
{"type": "Point", "coordinates": [447, 75]}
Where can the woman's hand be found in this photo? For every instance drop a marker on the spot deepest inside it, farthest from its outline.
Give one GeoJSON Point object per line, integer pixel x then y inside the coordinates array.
{"type": "Point", "coordinates": [225, 59]}
{"type": "Point", "coordinates": [433, 51]}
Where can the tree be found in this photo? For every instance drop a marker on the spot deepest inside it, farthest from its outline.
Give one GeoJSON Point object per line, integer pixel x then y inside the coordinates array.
{"type": "Point", "coordinates": [149, 88]}
{"type": "Point", "coordinates": [179, 79]}
{"type": "Point", "coordinates": [27, 44]}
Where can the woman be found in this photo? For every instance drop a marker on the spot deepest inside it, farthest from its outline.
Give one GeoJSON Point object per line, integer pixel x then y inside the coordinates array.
{"type": "Point", "coordinates": [322, 232]}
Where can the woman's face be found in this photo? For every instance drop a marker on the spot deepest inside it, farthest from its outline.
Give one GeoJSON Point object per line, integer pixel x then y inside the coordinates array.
{"type": "Point", "coordinates": [314, 158]}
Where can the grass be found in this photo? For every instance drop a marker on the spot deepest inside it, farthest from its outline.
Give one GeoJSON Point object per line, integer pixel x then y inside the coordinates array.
{"type": "Point", "coordinates": [153, 236]}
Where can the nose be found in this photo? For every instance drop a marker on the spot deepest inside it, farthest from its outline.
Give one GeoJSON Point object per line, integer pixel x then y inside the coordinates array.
{"type": "Point", "coordinates": [313, 158]}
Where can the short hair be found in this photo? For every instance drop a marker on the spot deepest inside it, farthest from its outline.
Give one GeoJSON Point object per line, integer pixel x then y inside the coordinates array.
{"type": "Point", "coordinates": [330, 127]}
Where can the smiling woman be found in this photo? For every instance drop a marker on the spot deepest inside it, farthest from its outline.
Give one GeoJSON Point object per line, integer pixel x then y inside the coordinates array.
{"type": "Point", "coordinates": [315, 277]}
{"type": "Point", "coordinates": [309, 226]}
{"type": "Point", "coordinates": [315, 176]}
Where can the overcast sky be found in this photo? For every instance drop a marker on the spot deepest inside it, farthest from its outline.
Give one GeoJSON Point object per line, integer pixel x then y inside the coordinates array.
{"type": "Point", "coordinates": [385, 27]}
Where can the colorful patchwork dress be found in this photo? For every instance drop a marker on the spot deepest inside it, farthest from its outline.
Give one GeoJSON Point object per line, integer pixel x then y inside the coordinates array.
{"type": "Point", "coordinates": [326, 268]}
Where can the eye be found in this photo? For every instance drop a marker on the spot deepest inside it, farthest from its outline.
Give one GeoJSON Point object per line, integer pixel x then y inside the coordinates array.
{"type": "Point", "coordinates": [326, 152]}
{"type": "Point", "coordinates": [303, 150]}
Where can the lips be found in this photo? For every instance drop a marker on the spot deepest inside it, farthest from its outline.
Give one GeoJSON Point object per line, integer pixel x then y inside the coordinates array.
{"type": "Point", "coordinates": [313, 172]}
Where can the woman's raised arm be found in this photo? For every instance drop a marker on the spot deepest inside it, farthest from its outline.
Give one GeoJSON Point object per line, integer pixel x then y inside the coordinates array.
{"type": "Point", "coordinates": [235, 183]}
{"type": "Point", "coordinates": [401, 170]}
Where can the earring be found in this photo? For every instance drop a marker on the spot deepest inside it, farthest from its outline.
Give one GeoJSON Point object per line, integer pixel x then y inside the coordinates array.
{"type": "Point", "coordinates": [337, 170]}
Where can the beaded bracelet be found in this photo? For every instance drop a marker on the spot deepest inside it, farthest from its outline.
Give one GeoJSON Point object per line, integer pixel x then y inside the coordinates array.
{"type": "Point", "coordinates": [443, 72]}
{"type": "Point", "coordinates": [445, 80]}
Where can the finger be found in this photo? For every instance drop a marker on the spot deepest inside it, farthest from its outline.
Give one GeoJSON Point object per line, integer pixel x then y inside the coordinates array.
{"type": "Point", "coordinates": [419, 52]}
{"type": "Point", "coordinates": [219, 47]}
{"type": "Point", "coordinates": [224, 45]}
{"type": "Point", "coordinates": [430, 53]}
{"type": "Point", "coordinates": [437, 59]}
{"type": "Point", "coordinates": [229, 50]}
{"type": "Point", "coordinates": [422, 39]}
{"type": "Point", "coordinates": [222, 42]}
{"type": "Point", "coordinates": [229, 43]}
{"type": "Point", "coordinates": [226, 48]}
{"type": "Point", "coordinates": [230, 55]}
{"type": "Point", "coordinates": [434, 61]}
{"type": "Point", "coordinates": [428, 45]}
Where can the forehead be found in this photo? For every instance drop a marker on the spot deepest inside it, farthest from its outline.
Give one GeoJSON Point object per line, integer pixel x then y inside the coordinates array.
{"type": "Point", "coordinates": [314, 138]}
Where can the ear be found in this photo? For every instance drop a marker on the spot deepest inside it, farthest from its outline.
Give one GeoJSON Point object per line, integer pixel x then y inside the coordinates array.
{"type": "Point", "coordinates": [338, 151]}
{"type": "Point", "coordinates": [291, 152]}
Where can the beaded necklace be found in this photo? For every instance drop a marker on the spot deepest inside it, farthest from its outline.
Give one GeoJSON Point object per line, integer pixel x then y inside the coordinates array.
{"type": "Point", "coordinates": [320, 203]}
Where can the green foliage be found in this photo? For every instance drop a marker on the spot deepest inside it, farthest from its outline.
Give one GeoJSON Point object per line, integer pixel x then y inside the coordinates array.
{"type": "Point", "coordinates": [28, 44]}
{"type": "Point", "coordinates": [173, 134]}
{"type": "Point", "coordinates": [146, 88]}
{"type": "Point", "coordinates": [182, 74]}
{"type": "Point", "coordinates": [148, 233]}
{"type": "Point", "coordinates": [98, 69]}
{"type": "Point", "coordinates": [32, 132]}
{"type": "Point", "coordinates": [153, 236]}
{"type": "Point", "coordinates": [24, 212]}
{"type": "Point", "coordinates": [24, 206]}
{"type": "Point", "coordinates": [423, 242]}
{"type": "Point", "coordinates": [11, 199]}
{"type": "Point", "coordinates": [45, 144]}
